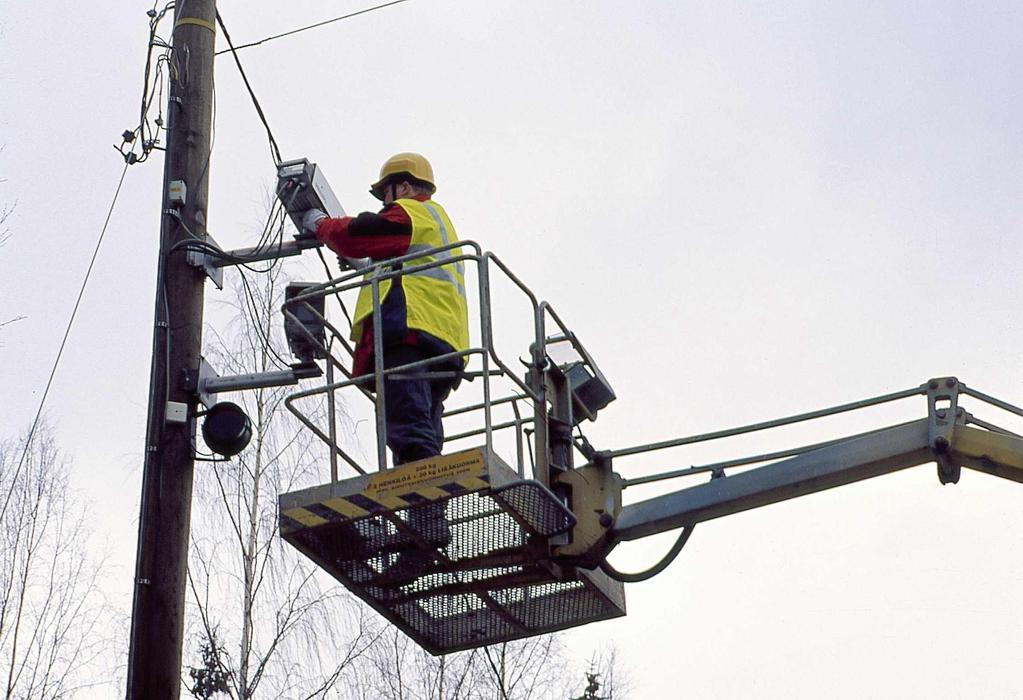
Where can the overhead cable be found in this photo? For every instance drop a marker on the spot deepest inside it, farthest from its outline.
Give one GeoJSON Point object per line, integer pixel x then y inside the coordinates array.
{"type": "Point", "coordinates": [311, 26]}
{"type": "Point", "coordinates": [63, 343]}
{"type": "Point", "coordinates": [253, 309]}
{"type": "Point", "coordinates": [275, 152]}
{"type": "Point", "coordinates": [143, 135]}
{"type": "Point", "coordinates": [337, 295]}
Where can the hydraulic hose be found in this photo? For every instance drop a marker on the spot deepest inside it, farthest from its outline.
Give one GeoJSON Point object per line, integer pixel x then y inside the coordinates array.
{"type": "Point", "coordinates": [656, 568]}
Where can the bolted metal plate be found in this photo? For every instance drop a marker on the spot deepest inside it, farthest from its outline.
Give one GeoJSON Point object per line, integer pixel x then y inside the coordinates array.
{"type": "Point", "coordinates": [453, 550]}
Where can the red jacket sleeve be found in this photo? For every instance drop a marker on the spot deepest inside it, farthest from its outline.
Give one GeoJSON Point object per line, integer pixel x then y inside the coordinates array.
{"type": "Point", "coordinates": [386, 234]}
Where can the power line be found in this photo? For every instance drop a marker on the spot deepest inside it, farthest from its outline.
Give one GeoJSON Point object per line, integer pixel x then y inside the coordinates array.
{"type": "Point", "coordinates": [311, 26]}
{"type": "Point", "coordinates": [144, 135]}
{"type": "Point", "coordinates": [63, 342]}
{"type": "Point", "coordinates": [275, 152]}
{"type": "Point", "coordinates": [233, 50]}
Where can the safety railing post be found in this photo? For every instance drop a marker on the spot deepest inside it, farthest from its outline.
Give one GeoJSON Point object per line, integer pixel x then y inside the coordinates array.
{"type": "Point", "coordinates": [485, 333]}
{"type": "Point", "coordinates": [533, 387]}
{"type": "Point", "coordinates": [378, 366]}
{"type": "Point", "coordinates": [538, 380]}
{"type": "Point", "coordinates": [332, 417]}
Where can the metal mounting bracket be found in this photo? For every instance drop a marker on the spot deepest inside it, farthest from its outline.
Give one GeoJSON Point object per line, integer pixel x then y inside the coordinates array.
{"type": "Point", "coordinates": [205, 382]}
{"type": "Point", "coordinates": [197, 258]}
{"type": "Point", "coordinates": [596, 500]}
{"type": "Point", "coordinates": [266, 252]}
{"type": "Point", "coordinates": [943, 413]}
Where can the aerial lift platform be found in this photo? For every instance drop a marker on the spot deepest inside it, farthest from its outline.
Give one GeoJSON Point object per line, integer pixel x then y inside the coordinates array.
{"type": "Point", "coordinates": [523, 548]}
{"type": "Point", "coordinates": [504, 536]}
{"type": "Point", "coordinates": [493, 581]}
{"type": "Point", "coordinates": [492, 578]}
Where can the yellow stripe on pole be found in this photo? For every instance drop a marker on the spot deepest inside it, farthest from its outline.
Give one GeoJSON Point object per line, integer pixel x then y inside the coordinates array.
{"type": "Point", "coordinates": [198, 21]}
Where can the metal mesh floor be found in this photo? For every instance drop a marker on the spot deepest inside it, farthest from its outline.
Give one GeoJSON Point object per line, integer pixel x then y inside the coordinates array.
{"type": "Point", "coordinates": [456, 560]}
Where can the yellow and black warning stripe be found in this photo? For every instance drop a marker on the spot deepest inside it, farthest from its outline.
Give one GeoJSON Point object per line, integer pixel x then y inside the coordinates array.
{"type": "Point", "coordinates": [372, 501]}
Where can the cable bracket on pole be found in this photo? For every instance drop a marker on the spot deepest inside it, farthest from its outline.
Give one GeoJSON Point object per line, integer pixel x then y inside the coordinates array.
{"type": "Point", "coordinates": [207, 261]}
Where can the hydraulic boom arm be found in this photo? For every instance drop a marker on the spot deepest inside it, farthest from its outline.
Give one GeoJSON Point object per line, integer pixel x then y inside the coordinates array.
{"type": "Point", "coordinates": [858, 458]}
{"type": "Point", "coordinates": [855, 459]}
{"type": "Point", "coordinates": [945, 436]}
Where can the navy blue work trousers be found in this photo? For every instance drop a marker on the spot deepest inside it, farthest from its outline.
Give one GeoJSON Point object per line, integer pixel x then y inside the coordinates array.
{"type": "Point", "coordinates": [413, 407]}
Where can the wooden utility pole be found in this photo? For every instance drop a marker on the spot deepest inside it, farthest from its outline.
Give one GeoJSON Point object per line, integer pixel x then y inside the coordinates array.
{"type": "Point", "coordinates": [154, 657]}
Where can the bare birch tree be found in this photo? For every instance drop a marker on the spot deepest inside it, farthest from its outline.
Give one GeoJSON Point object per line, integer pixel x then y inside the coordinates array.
{"type": "Point", "coordinates": [537, 668]}
{"type": "Point", "coordinates": [397, 669]}
{"type": "Point", "coordinates": [265, 623]}
{"type": "Point", "coordinates": [529, 669]}
{"type": "Point", "coordinates": [5, 213]}
{"type": "Point", "coordinates": [5, 234]}
{"type": "Point", "coordinates": [52, 638]}
{"type": "Point", "coordinates": [525, 670]}
{"type": "Point", "coordinates": [604, 679]}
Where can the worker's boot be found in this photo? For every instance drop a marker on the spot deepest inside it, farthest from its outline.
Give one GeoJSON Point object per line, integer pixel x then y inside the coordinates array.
{"type": "Point", "coordinates": [349, 542]}
{"type": "Point", "coordinates": [431, 524]}
{"type": "Point", "coordinates": [362, 538]}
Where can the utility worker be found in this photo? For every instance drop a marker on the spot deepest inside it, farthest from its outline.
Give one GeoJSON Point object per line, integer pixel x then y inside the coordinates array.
{"type": "Point", "coordinates": [423, 314]}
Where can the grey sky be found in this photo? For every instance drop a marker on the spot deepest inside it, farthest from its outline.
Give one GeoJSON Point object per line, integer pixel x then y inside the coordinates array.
{"type": "Point", "coordinates": [744, 209]}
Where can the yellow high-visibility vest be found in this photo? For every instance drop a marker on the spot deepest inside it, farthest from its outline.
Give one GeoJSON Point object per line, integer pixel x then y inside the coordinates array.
{"type": "Point", "coordinates": [434, 298]}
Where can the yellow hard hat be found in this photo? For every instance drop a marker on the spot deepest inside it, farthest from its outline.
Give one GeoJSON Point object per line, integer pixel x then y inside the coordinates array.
{"type": "Point", "coordinates": [412, 164]}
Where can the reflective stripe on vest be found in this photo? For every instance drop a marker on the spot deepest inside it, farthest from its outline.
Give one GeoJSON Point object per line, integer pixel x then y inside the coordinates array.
{"type": "Point", "coordinates": [435, 297]}
{"type": "Point", "coordinates": [441, 272]}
